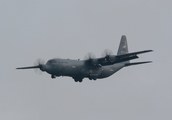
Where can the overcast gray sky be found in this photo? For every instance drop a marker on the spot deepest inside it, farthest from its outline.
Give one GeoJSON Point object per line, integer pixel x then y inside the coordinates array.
{"type": "Point", "coordinates": [70, 29]}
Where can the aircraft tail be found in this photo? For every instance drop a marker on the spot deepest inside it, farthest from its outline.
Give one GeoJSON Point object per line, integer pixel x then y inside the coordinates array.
{"type": "Point", "coordinates": [123, 47]}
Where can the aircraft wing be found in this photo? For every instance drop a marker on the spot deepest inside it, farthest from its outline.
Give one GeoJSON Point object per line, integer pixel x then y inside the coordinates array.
{"type": "Point", "coordinates": [31, 67]}
{"type": "Point", "coordinates": [112, 59]}
{"type": "Point", "coordinates": [137, 63]}
{"type": "Point", "coordinates": [134, 53]}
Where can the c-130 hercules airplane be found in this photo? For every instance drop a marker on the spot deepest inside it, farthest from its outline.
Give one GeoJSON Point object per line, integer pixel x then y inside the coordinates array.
{"type": "Point", "coordinates": [92, 68]}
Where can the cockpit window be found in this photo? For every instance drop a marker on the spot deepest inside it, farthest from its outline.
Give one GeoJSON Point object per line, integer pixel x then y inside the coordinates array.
{"type": "Point", "coordinates": [51, 62]}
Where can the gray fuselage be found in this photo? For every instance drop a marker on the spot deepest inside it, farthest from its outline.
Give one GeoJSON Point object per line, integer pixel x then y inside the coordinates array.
{"type": "Point", "coordinates": [79, 69]}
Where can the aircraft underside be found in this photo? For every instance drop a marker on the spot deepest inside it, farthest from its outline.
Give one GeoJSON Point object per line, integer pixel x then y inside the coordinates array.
{"type": "Point", "coordinates": [90, 73]}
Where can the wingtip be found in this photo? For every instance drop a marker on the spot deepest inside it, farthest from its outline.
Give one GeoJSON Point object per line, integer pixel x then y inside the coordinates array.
{"type": "Point", "coordinates": [148, 50]}
{"type": "Point", "coordinates": [149, 62]}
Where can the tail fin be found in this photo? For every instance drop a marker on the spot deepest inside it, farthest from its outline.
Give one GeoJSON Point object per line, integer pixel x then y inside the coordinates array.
{"type": "Point", "coordinates": [123, 47]}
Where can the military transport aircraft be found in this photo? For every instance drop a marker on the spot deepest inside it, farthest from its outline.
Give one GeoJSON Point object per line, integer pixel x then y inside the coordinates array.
{"type": "Point", "coordinates": [92, 68]}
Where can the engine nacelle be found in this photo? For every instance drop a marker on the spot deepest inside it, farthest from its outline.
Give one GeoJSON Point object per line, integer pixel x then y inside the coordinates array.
{"type": "Point", "coordinates": [111, 58]}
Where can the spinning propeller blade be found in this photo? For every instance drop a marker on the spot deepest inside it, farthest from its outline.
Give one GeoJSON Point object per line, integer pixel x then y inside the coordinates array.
{"type": "Point", "coordinates": [106, 53]}
{"type": "Point", "coordinates": [89, 56]}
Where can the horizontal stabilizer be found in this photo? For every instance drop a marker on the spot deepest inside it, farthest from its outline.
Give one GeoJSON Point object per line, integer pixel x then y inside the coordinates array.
{"type": "Point", "coordinates": [137, 63]}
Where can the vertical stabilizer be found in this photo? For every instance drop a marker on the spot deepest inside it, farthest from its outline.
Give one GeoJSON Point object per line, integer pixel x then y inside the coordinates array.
{"type": "Point", "coordinates": [123, 47]}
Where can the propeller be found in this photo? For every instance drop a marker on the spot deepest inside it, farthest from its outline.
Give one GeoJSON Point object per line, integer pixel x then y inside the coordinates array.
{"type": "Point", "coordinates": [89, 56]}
{"type": "Point", "coordinates": [106, 53]}
{"type": "Point", "coordinates": [39, 62]}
